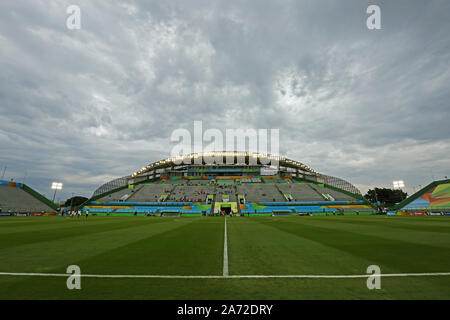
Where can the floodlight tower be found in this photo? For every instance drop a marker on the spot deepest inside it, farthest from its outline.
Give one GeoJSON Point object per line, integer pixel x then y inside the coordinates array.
{"type": "Point", "coordinates": [56, 186]}
{"type": "Point", "coordinates": [71, 201]}
{"type": "Point", "coordinates": [398, 185]}
{"type": "Point", "coordinates": [3, 174]}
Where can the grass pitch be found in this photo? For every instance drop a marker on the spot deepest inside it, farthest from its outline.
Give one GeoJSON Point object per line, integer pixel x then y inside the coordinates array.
{"type": "Point", "coordinates": [341, 245]}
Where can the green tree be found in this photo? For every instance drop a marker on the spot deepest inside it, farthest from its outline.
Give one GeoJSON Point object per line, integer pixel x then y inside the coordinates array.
{"type": "Point", "coordinates": [387, 197]}
{"type": "Point", "coordinates": [75, 201]}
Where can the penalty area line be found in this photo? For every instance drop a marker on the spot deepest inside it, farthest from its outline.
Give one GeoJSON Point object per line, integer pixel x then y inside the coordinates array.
{"type": "Point", "coordinates": [155, 276]}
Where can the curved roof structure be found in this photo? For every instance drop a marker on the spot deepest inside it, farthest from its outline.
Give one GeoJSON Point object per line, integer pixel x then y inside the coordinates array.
{"type": "Point", "coordinates": [227, 159]}
{"type": "Point", "coordinates": [220, 157]}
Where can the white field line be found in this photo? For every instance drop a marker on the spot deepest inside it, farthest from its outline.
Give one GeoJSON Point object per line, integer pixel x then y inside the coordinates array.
{"type": "Point", "coordinates": [225, 251]}
{"type": "Point", "coordinates": [307, 276]}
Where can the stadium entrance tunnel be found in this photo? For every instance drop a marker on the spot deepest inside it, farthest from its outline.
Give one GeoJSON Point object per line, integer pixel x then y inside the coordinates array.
{"type": "Point", "coordinates": [226, 208]}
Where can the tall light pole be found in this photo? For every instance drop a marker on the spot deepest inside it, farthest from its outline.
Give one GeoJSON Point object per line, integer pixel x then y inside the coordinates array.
{"type": "Point", "coordinates": [24, 177]}
{"type": "Point", "coordinates": [71, 201]}
{"type": "Point", "coordinates": [3, 174]}
{"type": "Point", "coordinates": [56, 186]}
{"type": "Point", "coordinates": [398, 185]}
{"type": "Point", "coordinates": [376, 196]}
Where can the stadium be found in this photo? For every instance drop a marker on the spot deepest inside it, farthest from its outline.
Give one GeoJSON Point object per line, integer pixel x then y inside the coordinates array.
{"type": "Point", "coordinates": [224, 150]}
{"type": "Point", "coordinates": [236, 182]}
{"type": "Point", "coordinates": [237, 227]}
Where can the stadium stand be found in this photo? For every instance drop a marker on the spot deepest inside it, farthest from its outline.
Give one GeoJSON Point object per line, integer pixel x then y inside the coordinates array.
{"type": "Point", "coordinates": [260, 192]}
{"type": "Point", "coordinates": [335, 195]}
{"type": "Point", "coordinates": [301, 192]}
{"type": "Point", "coordinates": [150, 193]}
{"type": "Point", "coordinates": [203, 182]}
{"type": "Point", "coordinates": [250, 180]}
{"type": "Point", "coordinates": [242, 188]}
{"type": "Point", "coordinates": [273, 180]}
{"type": "Point", "coordinates": [226, 193]}
{"type": "Point", "coordinates": [433, 199]}
{"type": "Point", "coordinates": [186, 193]}
{"type": "Point", "coordinates": [19, 198]}
{"type": "Point", "coordinates": [121, 195]}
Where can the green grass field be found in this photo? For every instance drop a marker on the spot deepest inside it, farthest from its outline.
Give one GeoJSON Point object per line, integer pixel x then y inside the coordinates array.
{"type": "Point", "coordinates": [340, 245]}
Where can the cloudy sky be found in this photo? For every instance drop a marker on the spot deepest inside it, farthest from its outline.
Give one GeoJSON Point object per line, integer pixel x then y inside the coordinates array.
{"type": "Point", "coordinates": [86, 106]}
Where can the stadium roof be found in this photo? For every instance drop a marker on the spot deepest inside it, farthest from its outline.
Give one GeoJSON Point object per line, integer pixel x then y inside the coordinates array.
{"type": "Point", "coordinates": [238, 159]}
{"type": "Point", "coordinates": [248, 158]}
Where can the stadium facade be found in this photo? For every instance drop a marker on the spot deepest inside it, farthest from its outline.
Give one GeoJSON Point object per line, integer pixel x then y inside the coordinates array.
{"type": "Point", "coordinates": [18, 198]}
{"type": "Point", "coordinates": [216, 183]}
{"type": "Point", "coordinates": [433, 199]}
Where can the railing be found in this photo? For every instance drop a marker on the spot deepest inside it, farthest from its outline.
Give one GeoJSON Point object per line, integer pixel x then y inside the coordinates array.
{"type": "Point", "coordinates": [111, 185]}
{"type": "Point", "coordinates": [39, 197]}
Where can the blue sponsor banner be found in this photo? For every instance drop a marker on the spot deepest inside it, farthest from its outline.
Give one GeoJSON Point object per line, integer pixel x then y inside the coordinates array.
{"type": "Point", "coordinates": [294, 203]}
{"type": "Point", "coordinates": [446, 213]}
{"type": "Point", "coordinates": [392, 213]}
{"type": "Point", "coordinates": [6, 214]}
{"type": "Point", "coordinates": [124, 203]}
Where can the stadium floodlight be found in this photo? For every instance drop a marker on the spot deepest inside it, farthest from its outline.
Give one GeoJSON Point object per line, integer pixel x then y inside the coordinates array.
{"type": "Point", "coordinates": [398, 184]}
{"type": "Point", "coordinates": [56, 186]}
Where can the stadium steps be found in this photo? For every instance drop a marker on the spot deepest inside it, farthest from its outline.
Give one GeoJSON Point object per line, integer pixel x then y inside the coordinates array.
{"type": "Point", "coordinates": [16, 199]}
{"type": "Point", "coordinates": [213, 204]}
{"type": "Point", "coordinates": [317, 191]}
{"type": "Point", "coordinates": [337, 196]}
{"type": "Point", "coordinates": [301, 192]}
{"type": "Point", "coordinates": [226, 190]}
{"type": "Point", "coordinates": [135, 192]}
{"type": "Point", "coordinates": [237, 200]}
{"type": "Point", "coordinates": [170, 193]}
{"type": "Point", "coordinates": [281, 192]}
{"type": "Point", "coordinates": [116, 196]}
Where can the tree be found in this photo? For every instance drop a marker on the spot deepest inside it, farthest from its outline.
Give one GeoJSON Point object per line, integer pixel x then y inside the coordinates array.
{"type": "Point", "coordinates": [387, 197]}
{"type": "Point", "coordinates": [75, 201]}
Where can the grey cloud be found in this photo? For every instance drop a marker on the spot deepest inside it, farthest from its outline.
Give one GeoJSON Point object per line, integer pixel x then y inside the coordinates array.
{"type": "Point", "coordinates": [91, 105]}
